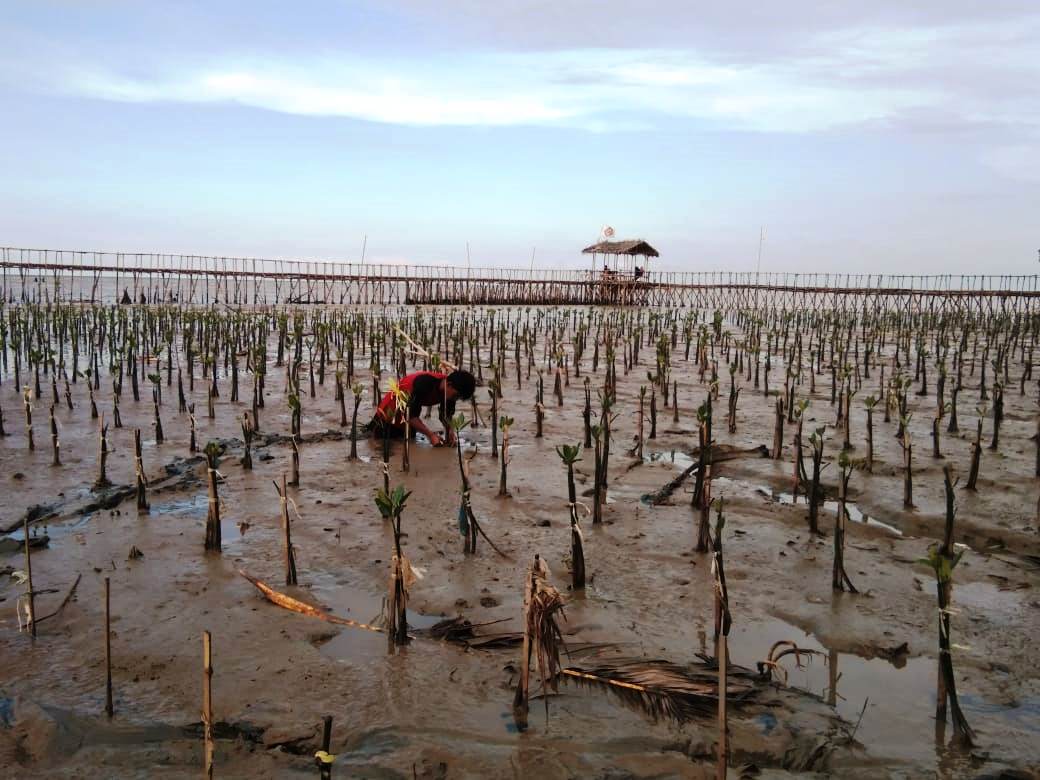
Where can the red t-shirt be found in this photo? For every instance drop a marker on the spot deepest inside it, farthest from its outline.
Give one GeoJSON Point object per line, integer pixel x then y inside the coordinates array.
{"type": "Point", "coordinates": [424, 389]}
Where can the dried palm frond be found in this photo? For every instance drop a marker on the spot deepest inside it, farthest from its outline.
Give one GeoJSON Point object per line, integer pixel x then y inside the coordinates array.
{"type": "Point", "coordinates": [661, 689]}
{"type": "Point", "coordinates": [542, 636]}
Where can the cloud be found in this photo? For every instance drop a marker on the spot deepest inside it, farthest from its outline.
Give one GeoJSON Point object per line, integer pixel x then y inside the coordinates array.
{"type": "Point", "coordinates": [806, 70]}
{"type": "Point", "coordinates": [573, 88]}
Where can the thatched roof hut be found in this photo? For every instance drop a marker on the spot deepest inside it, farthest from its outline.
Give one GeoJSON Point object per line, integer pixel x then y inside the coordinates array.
{"type": "Point", "coordinates": [634, 247]}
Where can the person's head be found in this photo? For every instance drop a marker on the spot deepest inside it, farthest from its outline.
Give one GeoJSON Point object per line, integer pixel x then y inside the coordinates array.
{"type": "Point", "coordinates": [461, 384]}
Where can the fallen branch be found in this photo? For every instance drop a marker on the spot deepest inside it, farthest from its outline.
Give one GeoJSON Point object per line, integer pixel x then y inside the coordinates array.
{"type": "Point", "coordinates": [64, 601]}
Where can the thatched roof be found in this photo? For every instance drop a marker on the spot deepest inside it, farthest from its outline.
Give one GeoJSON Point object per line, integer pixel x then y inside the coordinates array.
{"type": "Point", "coordinates": [635, 247]}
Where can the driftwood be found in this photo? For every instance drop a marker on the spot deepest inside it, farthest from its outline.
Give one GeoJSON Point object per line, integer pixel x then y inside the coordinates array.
{"type": "Point", "coordinates": [719, 454]}
{"type": "Point", "coordinates": [64, 601]}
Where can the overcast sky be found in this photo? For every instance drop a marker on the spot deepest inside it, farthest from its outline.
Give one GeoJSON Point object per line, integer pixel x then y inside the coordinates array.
{"type": "Point", "coordinates": [880, 136]}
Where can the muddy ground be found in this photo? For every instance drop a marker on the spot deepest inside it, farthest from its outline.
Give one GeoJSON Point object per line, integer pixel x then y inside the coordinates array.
{"type": "Point", "coordinates": [437, 710]}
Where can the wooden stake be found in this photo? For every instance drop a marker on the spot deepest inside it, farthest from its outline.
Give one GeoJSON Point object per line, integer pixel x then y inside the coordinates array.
{"type": "Point", "coordinates": [108, 650]}
{"type": "Point", "coordinates": [326, 743]}
{"type": "Point", "coordinates": [207, 702]}
{"type": "Point", "coordinates": [28, 579]}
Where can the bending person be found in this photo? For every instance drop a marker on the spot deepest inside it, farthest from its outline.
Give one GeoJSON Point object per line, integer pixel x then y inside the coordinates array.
{"type": "Point", "coordinates": [424, 389]}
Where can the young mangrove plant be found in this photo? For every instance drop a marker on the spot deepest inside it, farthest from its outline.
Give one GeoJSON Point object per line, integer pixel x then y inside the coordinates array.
{"type": "Point", "coordinates": [142, 481]}
{"type": "Point", "coordinates": [569, 455]}
{"type": "Point", "coordinates": [290, 553]}
{"type": "Point", "coordinates": [505, 423]}
{"type": "Point", "coordinates": [356, 389]}
{"type": "Point", "coordinates": [212, 452]}
{"type": "Point", "coordinates": [839, 578]}
{"type": "Point", "coordinates": [943, 559]}
{"type": "Point", "coordinates": [402, 573]}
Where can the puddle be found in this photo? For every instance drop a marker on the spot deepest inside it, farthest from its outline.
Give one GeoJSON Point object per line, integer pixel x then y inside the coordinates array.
{"type": "Point", "coordinates": [354, 644]}
{"type": "Point", "coordinates": [53, 530]}
{"type": "Point", "coordinates": [856, 515]}
{"type": "Point", "coordinates": [900, 712]}
{"type": "Point", "coordinates": [197, 506]}
{"type": "Point", "coordinates": [677, 458]}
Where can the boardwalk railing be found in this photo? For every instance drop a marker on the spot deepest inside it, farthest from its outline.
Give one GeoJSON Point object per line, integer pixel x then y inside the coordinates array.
{"type": "Point", "coordinates": [88, 276]}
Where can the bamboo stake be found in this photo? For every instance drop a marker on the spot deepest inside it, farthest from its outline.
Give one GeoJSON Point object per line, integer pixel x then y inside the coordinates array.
{"type": "Point", "coordinates": [207, 702]}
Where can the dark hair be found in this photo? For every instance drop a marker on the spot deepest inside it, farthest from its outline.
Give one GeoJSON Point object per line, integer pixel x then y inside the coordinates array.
{"type": "Point", "coordinates": [464, 383]}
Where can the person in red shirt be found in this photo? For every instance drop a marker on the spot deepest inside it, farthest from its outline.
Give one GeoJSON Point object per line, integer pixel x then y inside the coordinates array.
{"type": "Point", "coordinates": [424, 388]}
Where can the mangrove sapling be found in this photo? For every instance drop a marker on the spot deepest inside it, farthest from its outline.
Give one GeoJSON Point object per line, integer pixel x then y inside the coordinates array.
{"type": "Point", "coordinates": [998, 412]}
{"type": "Point", "coordinates": [357, 389]}
{"type": "Point", "coordinates": [88, 373]}
{"type": "Point", "coordinates": [976, 451]}
{"type": "Point", "coordinates": [734, 392]}
{"type": "Point", "coordinates": [142, 481]}
{"type": "Point", "coordinates": [586, 414]}
{"type": "Point", "coordinates": [192, 441]}
{"type": "Point", "coordinates": [247, 437]}
{"type": "Point", "coordinates": [653, 413]}
{"type": "Point", "coordinates": [778, 429]}
{"type": "Point", "coordinates": [839, 577]}
{"type": "Point", "coordinates": [569, 455]}
{"type": "Point", "coordinates": [597, 486]}
{"type": "Point", "coordinates": [869, 403]}
{"type": "Point", "coordinates": [55, 444]}
{"type": "Point", "coordinates": [800, 477]}
{"type": "Point", "coordinates": [908, 487]}
{"type": "Point", "coordinates": [943, 560]}
{"type": "Point", "coordinates": [815, 491]}
{"type": "Point", "coordinates": [493, 391]}
{"type": "Point", "coordinates": [294, 436]}
{"type": "Point", "coordinates": [155, 380]}
{"type": "Point", "coordinates": [703, 452]}
{"type": "Point", "coordinates": [341, 397]}
{"type": "Point", "coordinates": [505, 423]}
{"type": "Point", "coordinates": [952, 426]}
{"type": "Point", "coordinates": [27, 402]}
{"type": "Point", "coordinates": [103, 450]}
{"type": "Point", "coordinates": [467, 520]}
{"type": "Point", "coordinates": [402, 574]}
{"type": "Point", "coordinates": [290, 552]}
{"type": "Point", "coordinates": [212, 452]}
{"type": "Point", "coordinates": [638, 449]}
{"type": "Point", "coordinates": [936, 422]}
{"type": "Point", "coordinates": [539, 406]}
{"type": "Point", "coordinates": [723, 623]}
{"type": "Point", "coordinates": [542, 637]}
{"type": "Point", "coordinates": [675, 402]}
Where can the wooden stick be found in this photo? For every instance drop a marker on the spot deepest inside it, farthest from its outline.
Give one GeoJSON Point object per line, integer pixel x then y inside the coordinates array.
{"type": "Point", "coordinates": [207, 702]}
{"type": "Point", "coordinates": [108, 650]}
{"type": "Point", "coordinates": [326, 743]}
{"type": "Point", "coordinates": [28, 580]}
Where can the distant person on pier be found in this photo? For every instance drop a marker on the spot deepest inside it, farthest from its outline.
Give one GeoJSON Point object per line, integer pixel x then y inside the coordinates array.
{"type": "Point", "coordinates": [424, 389]}
{"type": "Point", "coordinates": [126, 300]}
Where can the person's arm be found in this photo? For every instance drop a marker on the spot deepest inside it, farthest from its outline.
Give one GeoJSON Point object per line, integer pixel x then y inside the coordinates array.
{"type": "Point", "coordinates": [422, 387]}
{"type": "Point", "coordinates": [447, 412]}
{"type": "Point", "coordinates": [417, 424]}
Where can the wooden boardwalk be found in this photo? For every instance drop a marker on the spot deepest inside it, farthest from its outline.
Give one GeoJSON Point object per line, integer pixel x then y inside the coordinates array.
{"type": "Point", "coordinates": [42, 275]}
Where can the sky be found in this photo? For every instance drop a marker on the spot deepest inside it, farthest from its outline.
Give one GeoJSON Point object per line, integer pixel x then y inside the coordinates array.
{"type": "Point", "coordinates": [882, 137]}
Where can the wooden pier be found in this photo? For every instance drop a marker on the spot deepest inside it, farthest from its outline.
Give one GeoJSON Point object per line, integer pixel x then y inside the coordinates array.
{"type": "Point", "coordinates": [47, 275]}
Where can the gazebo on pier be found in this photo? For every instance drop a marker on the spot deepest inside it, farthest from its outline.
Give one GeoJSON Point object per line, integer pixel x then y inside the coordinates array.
{"type": "Point", "coordinates": [622, 277]}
